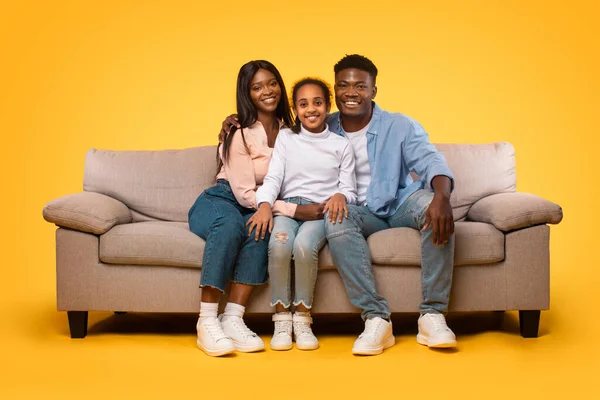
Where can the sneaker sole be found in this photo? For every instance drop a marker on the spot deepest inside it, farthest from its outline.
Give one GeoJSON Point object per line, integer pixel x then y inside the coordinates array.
{"type": "Point", "coordinates": [281, 347]}
{"type": "Point", "coordinates": [389, 342]}
{"type": "Point", "coordinates": [216, 352]}
{"type": "Point", "coordinates": [244, 348]}
{"type": "Point", "coordinates": [424, 340]}
{"type": "Point", "coordinates": [307, 346]}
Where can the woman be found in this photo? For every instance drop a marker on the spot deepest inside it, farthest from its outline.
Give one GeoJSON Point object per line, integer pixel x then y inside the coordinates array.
{"type": "Point", "coordinates": [221, 213]}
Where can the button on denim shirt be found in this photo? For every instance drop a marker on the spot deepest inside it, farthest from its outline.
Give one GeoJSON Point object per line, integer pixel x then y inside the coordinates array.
{"type": "Point", "coordinates": [396, 145]}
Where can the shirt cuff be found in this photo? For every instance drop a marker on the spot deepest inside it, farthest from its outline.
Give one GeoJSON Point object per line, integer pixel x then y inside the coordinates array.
{"type": "Point", "coordinates": [441, 172]}
{"type": "Point", "coordinates": [283, 208]}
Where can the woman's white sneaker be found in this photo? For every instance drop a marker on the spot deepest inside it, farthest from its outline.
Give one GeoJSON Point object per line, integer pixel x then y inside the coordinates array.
{"type": "Point", "coordinates": [282, 336]}
{"type": "Point", "coordinates": [434, 332]}
{"type": "Point", "coordinates": [303, 334]}
{"type": "Point", "coordinates": [243, 338]}
{"type": "Point", "coordinates": [376, 337]}
{"type": "Point", "coordinates": [211, 338]}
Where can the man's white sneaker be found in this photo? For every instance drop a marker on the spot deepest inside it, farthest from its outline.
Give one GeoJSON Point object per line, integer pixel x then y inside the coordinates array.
{"type": "Point", "coordinates": [376, 337]}
{"type": "Point", "coordinates": [211, 338]}
{"type": "Point", "coordinates": [434, 332]}
{"type": "Point", "coordinates": [303, 335]}
{"type": "Point", "coordinates": [282, 337]}
{"type": "Point", "coordinates": [243, 338]}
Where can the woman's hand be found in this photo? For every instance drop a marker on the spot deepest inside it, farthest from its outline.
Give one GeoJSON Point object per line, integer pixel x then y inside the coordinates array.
{"type": "Point", "coordinates": [309, 212]}
{"type": "Point", "coordinates": [261, 220]}
{"type": "Point", "coordinates": [337, 208]}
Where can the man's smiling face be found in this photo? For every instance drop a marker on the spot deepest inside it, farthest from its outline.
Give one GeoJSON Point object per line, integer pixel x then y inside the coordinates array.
{"type": "Point", "coordinates": [354, 92]}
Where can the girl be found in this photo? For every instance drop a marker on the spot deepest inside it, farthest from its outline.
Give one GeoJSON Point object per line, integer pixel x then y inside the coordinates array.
{"type": "Point", "coordinates": [221, 212]}
{"type": "Point", "coordinates": [310, 164]}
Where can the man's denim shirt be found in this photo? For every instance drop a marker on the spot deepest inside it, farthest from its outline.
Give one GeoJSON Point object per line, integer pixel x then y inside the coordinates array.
{"type": "Point", "coordinates": [396, 145]}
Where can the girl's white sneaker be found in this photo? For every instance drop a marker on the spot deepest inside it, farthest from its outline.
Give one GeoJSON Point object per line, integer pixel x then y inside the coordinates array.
{"type": "Point", "coordinates": [303, 335]}
{"type": "Point", "coordinates": [282, 336]}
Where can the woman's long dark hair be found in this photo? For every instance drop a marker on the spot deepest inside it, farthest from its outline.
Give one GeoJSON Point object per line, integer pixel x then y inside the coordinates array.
{"type": "Point", "coordinates": [246, 110]}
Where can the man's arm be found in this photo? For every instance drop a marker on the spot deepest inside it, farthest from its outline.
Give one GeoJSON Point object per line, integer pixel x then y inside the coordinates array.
{"type": "Point", "coordinates": [423, 158]}
{"type": "Point", "coordinates": [226, 126]}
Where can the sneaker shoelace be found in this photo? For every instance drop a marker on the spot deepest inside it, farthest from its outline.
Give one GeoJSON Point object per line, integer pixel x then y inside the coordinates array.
{"type": "Point", "coordinates": [215, 330]}
{"type": "Point", "coordinates": [302, 328]}
{"type": "Point", "coordinates": [240, 325]}
{"type": "Point", "coordinates": [283, 328]}
{"type": "Point", "coordinates": [439, 322]}
{"type": "Point", "coordinates": [371, 328]}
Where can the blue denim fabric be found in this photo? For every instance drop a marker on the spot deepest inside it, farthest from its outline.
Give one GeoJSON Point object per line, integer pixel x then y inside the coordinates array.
{"type": "Point", "coordinates": [301, 240]}
{"type": "Point", "coordinates": [437, 263]}
{"type": "Point", "coordinates": [396, 145]}
{"type": "Point", "coordinates": [229, 253]}
{"type": "Point", "coordinates": [352, 257]}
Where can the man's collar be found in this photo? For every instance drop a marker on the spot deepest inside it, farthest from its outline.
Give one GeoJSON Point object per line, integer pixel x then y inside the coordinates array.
{"type": "Point", "coordinates": [373, 123]}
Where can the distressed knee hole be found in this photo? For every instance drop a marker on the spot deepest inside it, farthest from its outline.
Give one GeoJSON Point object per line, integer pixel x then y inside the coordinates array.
{"type": "Point", "coordinates": [281, 237]}
{"type": "Point", "coordinates": [299, 250]}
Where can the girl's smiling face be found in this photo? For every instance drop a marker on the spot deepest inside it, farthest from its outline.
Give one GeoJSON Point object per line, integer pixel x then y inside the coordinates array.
{"type": "Point", "coordinates": [311, 106]}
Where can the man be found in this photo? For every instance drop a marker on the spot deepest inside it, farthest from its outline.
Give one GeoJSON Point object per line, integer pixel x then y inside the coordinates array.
{"type": "Point", "coordinates": [387, 147]}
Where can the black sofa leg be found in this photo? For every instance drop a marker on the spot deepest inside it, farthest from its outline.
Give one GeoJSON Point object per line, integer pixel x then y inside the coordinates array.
{"type": "Point", "coordinates": [78, 322]}
{"type": "Point", "coordinates": [529, 322]}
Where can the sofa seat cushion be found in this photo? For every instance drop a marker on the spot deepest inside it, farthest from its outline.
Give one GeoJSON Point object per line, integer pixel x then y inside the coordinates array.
{"type": "Point", "coordinates": [475, 243]}
{"type": "Point", "coordinates": [152, 243]}
{"type": "Point", "coordinates": [172, 244]}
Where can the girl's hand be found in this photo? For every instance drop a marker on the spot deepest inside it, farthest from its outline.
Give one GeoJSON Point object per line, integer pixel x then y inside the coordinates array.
{"type": "Point", "coordinates": [261, 220]}
{"type": "Point", "coordinates": [337, 208]}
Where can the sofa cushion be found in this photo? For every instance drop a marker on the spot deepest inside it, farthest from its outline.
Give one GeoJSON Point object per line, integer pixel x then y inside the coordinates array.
{"type": "Point", "coordinates": [510, 211]}
{"type": "Point", "coordinates": [475, 243]}
{"type": "Point", "coordinates": [152, 243]}
{"type": "Point", "coordinates": [479, 170]}
{"type": "Point", "coordinates": [157, 184]}
{"type": "Point", "coordinates": [172, 244]}
{"type": "Point", "coordinates": [87, 212]}
{"type": "Point", "coordinates": [162, 243]}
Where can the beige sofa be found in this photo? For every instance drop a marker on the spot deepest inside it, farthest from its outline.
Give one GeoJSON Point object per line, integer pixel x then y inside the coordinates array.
{"type": "Point", "coordinates": [123, 244]}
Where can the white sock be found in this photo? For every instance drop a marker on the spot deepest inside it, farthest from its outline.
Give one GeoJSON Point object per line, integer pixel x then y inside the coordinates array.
{"type": "Point", "coordinates": [208, 310]}
{"type": "Point", "coordinates": [234, 310]}
{"type": "Point", "coordinates": [302, 313]}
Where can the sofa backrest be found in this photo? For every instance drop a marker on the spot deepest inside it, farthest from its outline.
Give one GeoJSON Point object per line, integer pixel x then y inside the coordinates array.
{"type": "Point", "coordinates": [153, 184]}
{"type": "Point", "coordinates": [164, 184]}
{"type": "Point", "coordinates": [479, 170]}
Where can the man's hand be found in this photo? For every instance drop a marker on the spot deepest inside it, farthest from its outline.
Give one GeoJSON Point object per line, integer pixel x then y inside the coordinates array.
{"type": "Point", "coordinates": [439, 213]}
{"type": "Point", "coordinates": [261, 220]}
{"type": "Point", "coordinates": [309, 212]}
{"type": "Point", "coordinates": [229, 123]}
{"type": "Point", "coordinates": [337, 208]}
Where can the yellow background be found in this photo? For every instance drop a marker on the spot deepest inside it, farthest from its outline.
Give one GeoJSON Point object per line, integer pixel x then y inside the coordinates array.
{"type": "Point", "coordinates": [156, 75]}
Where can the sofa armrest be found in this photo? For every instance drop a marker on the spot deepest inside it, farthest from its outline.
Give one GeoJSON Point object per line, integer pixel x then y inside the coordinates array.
{"type": "Point", "coordinates": [510, 211]}
{"type": "Point", "coordinates": [87, 212]}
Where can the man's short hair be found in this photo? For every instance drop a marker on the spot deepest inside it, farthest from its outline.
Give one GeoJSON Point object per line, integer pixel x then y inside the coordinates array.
{"type": "Point", "coordinates": [359, 62]}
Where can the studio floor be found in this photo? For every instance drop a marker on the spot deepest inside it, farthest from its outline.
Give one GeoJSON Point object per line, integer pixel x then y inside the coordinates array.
{"type": "Point", "coordinates": [154, 356]}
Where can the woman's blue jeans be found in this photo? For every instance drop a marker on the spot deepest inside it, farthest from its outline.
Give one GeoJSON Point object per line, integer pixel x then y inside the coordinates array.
{"type": "Point", "coordinates": [230, 253]}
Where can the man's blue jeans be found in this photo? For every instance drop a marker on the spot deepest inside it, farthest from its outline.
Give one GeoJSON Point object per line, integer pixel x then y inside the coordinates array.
{"type": "Point", "coordinates": [229, 253]}
{"type": "Point", "coordinates": [351, 255]}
